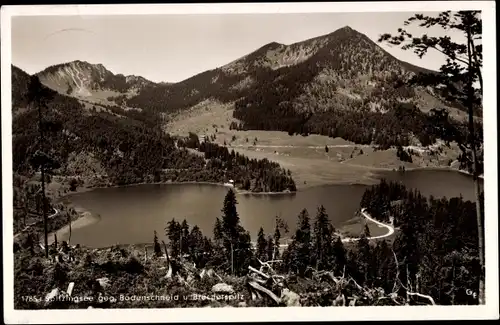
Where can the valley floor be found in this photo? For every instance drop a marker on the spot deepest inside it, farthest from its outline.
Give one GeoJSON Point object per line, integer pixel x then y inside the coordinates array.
{"type": "Point", "coordinates": [306, 156]}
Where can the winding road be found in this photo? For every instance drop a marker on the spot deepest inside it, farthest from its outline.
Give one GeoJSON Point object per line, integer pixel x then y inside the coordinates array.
{"type": "Point", "coordinates": [56, 212]}
{"type": "Point", "coordinates": [390, 229]}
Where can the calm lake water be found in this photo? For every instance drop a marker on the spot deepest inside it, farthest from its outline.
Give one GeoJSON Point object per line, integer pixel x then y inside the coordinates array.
{"type": "Point", "coordinates": [129, 215]}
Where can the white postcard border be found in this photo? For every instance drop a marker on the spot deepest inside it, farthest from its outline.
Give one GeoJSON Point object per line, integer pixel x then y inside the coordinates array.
{"type": "Point", "coordinates": [490, 310]}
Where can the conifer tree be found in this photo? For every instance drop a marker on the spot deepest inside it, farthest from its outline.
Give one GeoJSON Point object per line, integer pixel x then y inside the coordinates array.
{"type": "Point", "coordinates": [207, 246]}
{"type": "Point", "coordinates": [385, 267]}
{"type": "Point", "coordinates": [261, 245]}
{"type": "Point", "coordinates": [184, 240]}
{"type": "Point", "coordinates": [322, 240]}
{"type": "Point", "coordinates": [214, 256]}
{"type": "Point", "coordinates": [340, 257]}
{"type": "Point", "coordinates": [407, 246]}
{"type": "Point", "coordinates": [243, 252]}
{"type": "Point", "coordinates": [230, 218]}
{"type": "Point", "coordinates": [156, 244]}
{"type": "Point", "coordinates": [270, 248]}
{"type": "Point", "coordinates": [300, 249]}
{"type": "Point", "coordinates": [173, 232]}
{"type": "Point", "coordinates": [363, 258]}
{"type": "Point", "coordinates": [236, 241]}
{"type": "Point", "coordinates": [38, 96]}
{"type": "Point", "coordinates": [196, 244]}
{"type": "Point", "coordinates": [218, 232]}
{"type": "Point", "coordinates": [277, 237]}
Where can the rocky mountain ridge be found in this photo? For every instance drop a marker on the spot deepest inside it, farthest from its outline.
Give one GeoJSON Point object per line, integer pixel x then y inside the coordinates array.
{"type": "Point", "coordinates": [83, 79]}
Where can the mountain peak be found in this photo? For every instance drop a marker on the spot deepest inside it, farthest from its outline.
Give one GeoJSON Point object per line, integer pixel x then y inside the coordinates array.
{"type": "Point", "coordinates": [345, 31]}
{"type": "Point", "coordinates": [272, 45]}
{"type": "Point", "coordinates": [75, 65]}
{"type": "Point", "coordinates": [275, 55]}
{"type": "Point", "coordinates": [83, 79]}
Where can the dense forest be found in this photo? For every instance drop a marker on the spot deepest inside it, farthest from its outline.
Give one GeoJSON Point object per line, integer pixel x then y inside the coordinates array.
{"type": "Point", "coordinates": [128, 146]}
{"type": "Point", "coordinates": [433, 255]}
{"type": "Point", "coordinates": [20, 81]}
{"type": "Point", "coordinates": [171, 98]}
{"type": "Point", "coordinates": [272, 108]}
{"type": "Point", "coordinates": [256, 175]}
{"type": "Point", "coordinates": [437, 238]}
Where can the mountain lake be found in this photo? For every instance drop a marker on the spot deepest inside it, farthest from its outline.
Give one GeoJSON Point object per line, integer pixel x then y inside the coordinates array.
{"type": "Point", "coordinates": [129, 215]}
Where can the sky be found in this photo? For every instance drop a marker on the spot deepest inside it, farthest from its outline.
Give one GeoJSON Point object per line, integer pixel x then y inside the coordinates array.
{"type": "Point", "coordinates": [172, 48]}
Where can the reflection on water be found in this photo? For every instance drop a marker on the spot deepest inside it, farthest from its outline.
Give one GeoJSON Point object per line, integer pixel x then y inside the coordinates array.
{"type": "Point", "coordinates": [131, 214]}
{"type": "Point", "coordinates": [438, 183]}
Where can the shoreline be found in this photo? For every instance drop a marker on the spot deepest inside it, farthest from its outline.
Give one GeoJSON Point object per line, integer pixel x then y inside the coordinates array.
{"type": "Point", "coordinates": [18, 234]}
{"type": "Point", "coordinates": [375, 171]}
{"type": "Point", "coordinates": [235, 189]}
{"type": "Point", "coordinates": [86, 217]}
{"type": "Point", "coordinates": [407, 169]}
{"type": "Point", "coordinates": [444, 168]}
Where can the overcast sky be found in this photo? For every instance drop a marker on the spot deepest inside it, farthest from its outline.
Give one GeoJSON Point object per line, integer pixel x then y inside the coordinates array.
{"type": "Point", "coordinates": [175, 47]}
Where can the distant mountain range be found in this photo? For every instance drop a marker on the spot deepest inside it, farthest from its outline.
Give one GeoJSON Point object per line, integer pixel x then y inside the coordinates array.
{"type": "Point", "coordinates": [297, 88]}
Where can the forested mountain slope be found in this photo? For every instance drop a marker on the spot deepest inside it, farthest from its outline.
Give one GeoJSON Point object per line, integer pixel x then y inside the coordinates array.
{"type": "Point", "coordinates": [341, 85]}
{"type": "Point", "coordinates": [121, 146]}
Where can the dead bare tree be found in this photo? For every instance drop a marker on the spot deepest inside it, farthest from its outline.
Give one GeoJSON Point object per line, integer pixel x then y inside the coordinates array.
{"type": "Point", "coordinates": [37, 96]}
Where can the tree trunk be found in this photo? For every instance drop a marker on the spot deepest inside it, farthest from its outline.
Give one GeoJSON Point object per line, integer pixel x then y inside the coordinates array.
{"type": "Point", "coordinates": [475, 175]}
{"type": "Point", "coordinates": [232, 259]}
{"type": "Point", "coordinates": [42, 172]}
{"type": "Point", "coordinates": [69, 223]}
{"type": "Point", "coordinates": [180, 245]}
{"type": "Point", "coordinates": [166, 252]}
{"type": "Point", "coordinates": [478, 66]}
{"type": "Point", "coordinates": [44, 214]}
